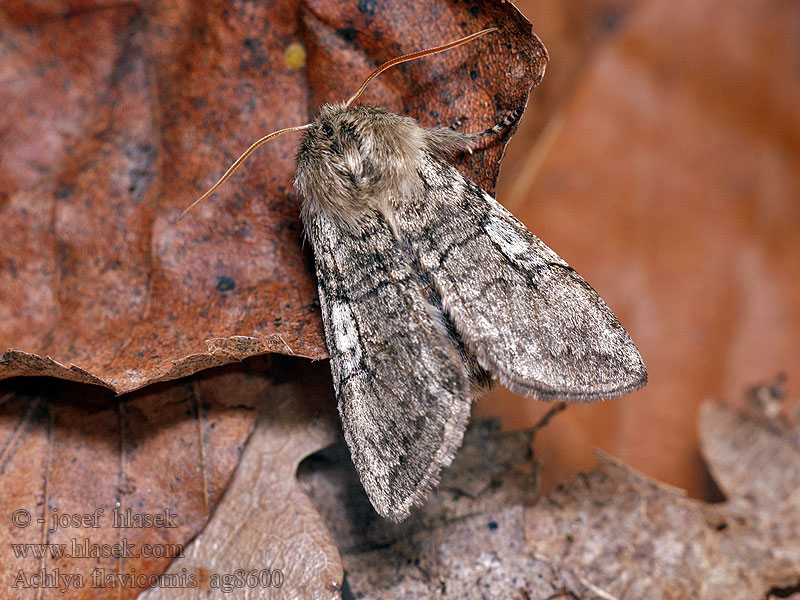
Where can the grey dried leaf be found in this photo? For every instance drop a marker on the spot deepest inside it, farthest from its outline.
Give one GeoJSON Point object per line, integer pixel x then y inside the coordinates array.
{"type": "Point", "coordinates": [610, 534]}
{"type": "Point", "coordinates": [632, 537]}
{"type": "Point", "coordinates": [466, 541]}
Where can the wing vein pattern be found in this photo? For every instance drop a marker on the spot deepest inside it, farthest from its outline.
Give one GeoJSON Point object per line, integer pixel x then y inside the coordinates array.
{"type": "Point", "coordinates": [526, 315]}
{"type": "Point", "coordinates": [402, 388]}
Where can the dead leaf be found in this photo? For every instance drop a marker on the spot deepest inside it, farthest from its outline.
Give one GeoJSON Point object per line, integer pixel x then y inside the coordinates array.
{"type": "Point", "coordinates": [105, 146]}
{"type": "Point", "coordinates": [574, 32]}
{"type": "Point", "coordinates": [611, 533]}
{"type": "Point", "coordinates": [634, 538]}
{"type": "Point", "coordinates": [266, 539]}
{"type": "Point", "coordinates": [466, 538]}
{"type": "Point", "coordinates": [674, 119]}
{"type": "Point", "coordinates": [71, 451]}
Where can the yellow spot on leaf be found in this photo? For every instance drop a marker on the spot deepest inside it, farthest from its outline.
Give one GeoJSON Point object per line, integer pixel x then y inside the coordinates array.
{"type": "Point", "coordinates": [295, 56]}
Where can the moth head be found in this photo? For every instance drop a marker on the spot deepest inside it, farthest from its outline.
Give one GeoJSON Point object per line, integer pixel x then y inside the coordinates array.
{"type": "Point", "coordinates": [356, 160]}
{"type": "Point", "coordinates": [345, 110]}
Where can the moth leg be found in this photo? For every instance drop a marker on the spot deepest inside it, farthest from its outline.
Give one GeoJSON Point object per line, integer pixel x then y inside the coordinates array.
{"type": "Point", "coordinates": [500, 130]}
{"type": "Point", "coordinates": [450, 138]}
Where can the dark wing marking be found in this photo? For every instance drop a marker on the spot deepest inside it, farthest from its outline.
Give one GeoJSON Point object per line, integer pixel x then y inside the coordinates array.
{"type": "Point", "coordinates": [402, 389]}
{"type": "Point", "coordinates": [525, 314]}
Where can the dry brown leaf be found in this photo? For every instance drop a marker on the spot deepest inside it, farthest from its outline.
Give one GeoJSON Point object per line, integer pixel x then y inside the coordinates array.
{"type": "Point", "coordinates": [682, 126]}
{"type": "Point", "coordinates": [71, 449]}
{"type": "Point", "coordinates": [104, 146]}
{"type": "Point", "coordinates": [266, 528]}
{"type": "Point", "coordinates": [574, 31]}
{"type": "Point", "coordinates": [611, 533]}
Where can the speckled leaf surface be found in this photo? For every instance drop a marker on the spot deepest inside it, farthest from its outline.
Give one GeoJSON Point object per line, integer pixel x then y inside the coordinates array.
{"type": "Point", "coordinates": [118, 116]}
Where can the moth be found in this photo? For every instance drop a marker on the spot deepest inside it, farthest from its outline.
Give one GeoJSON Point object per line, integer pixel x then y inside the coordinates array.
{"type": "Point", "coordinates": [430, 289]}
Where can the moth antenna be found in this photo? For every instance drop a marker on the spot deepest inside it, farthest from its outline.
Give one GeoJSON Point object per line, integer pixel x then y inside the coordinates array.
{"type": "Point", "coordinates": [378, 71]}
{"type": "Point", "coordinates": [414, 56]}
{"type": "Point", "coordinates": [240, 160]}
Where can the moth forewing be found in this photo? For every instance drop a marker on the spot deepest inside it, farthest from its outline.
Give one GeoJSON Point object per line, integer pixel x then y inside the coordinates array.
{"type": "Point", "coordinates": [401, 387]}
{"type": "Point", "coordinates": [528, 317]}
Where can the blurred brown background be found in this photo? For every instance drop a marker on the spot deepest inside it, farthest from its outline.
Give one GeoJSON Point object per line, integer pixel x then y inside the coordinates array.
{"type": "Point", "coordinates": [659, 157]}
